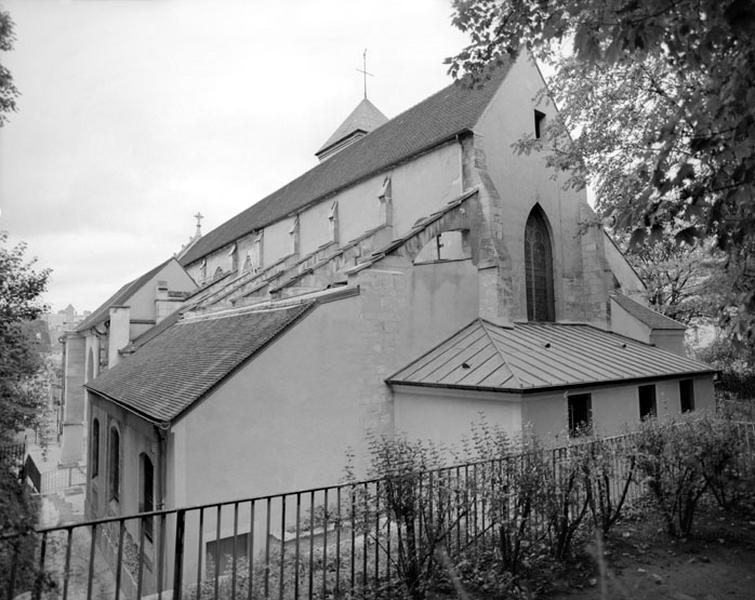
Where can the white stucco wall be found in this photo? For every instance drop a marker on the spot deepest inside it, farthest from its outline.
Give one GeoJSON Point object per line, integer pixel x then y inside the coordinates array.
{"type": "Point", "coordinates": [445, 417]}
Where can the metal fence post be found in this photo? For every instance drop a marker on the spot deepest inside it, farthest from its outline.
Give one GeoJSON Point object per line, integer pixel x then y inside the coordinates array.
{"type": "Point", "coordinates": [178, 555]}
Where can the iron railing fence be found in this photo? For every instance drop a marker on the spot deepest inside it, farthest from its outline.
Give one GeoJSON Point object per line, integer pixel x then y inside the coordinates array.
{"type": "Point", "coordinates": [329, 542]}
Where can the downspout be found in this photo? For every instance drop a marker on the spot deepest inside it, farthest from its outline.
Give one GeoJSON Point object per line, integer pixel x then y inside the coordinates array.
{"type": "Point", "coordinates": [162, 429]}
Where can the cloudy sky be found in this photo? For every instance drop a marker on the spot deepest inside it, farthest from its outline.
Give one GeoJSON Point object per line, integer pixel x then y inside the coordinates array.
{"type": "Point", "coordinates": [136, 114]}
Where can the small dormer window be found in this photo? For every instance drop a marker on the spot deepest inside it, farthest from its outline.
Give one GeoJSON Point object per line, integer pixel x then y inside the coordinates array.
{"type": "Point", "coordinates": [539, 124]}
{"type": "Point", "coordinates": [385, 196]}
{"type": "Point", "coordinates": [293, 232]}
{"type": "Point", "coordinates": [333, 221]}
{"type": "Point", "coordinates": [234, 258]}
{"type": "Point", "coordinates": [258, 241]}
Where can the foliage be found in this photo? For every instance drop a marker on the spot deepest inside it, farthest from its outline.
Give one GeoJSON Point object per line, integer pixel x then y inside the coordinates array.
{"type": "Point", "coordinates": [423, 506]}
{"type": "Point", "coordinates": [8, 91]}
{"type": "Point", "coordinates": [20, 287]}
{"type": "Point", "coordinates": [683, 282]}
{"type": "Point", "coordinates": [608, 474]}
{"type": "Point", "coordinates": [681, 460]}
{"type": "Point", "coordinates": [657, 113]}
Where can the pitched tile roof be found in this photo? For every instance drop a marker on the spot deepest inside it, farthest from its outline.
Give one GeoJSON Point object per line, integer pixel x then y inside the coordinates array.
{"type": "Point", "coordinates": [176, 368]}
{"type": "Point", "coordinates": [120, 297]}
{"type": "Point", "coordinates": [453, 110]}
{"type": "Point", "coordinates": [536, 356]}
{"type": "Point", "coordinates": [649, 317]}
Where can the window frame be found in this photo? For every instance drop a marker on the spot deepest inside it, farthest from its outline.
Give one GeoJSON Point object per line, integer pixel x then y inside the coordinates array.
{"type": "Point", "coordinates": [574, 428]}
{"type": "Point", "coordinates": [114, 464]}
{"type": "Point", "coordinates": [145, 506]}
{"type": "Point", "coordinates": [654, 411]}
{"type": "Point", "coordinates": [539, 264]}
{"type": "Point", "coordinates": [94, 449]}
{"type": "Point", "coordinates": [691, 399]}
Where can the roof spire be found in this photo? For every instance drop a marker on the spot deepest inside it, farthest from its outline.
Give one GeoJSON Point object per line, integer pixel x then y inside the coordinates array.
{"type": "Point", "coordinates": [199, 216]}
{"type": "Point", "coordinates": [364, 72]}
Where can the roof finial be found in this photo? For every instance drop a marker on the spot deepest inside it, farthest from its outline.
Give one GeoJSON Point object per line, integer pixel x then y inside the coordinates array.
{"type": "Point", "coordinates": [364, 72]}
{"type": "Point", "coordinates": [199, 216]}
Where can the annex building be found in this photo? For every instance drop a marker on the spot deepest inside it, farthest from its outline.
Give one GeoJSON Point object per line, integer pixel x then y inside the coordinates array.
{"type": "Point", "coordinates": [420, 274]}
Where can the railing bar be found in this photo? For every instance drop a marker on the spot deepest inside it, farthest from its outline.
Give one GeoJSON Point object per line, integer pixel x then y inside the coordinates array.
{"type": "Point", "coordinates": [311, 541]}
{"type": "Point", "coordinates": [296, 541]}
{"type": "Point", "coordinates": [283, 547]}
{"type": "Point", "coordinates": [235, 548]}
{"type": "Point", "coordinates": [178, 555]}
{"type": "Point", "coordinates": [67, 568]}
{"type": "Point", "coordinates": [338, 542]}
{"type": "Point", "coordinates": [251, 550]}
{"type": "Point", "coordinates": [353, 534]}
{"type": "Point", "coordinates": [325, 545]}
{"type": "Point", "coordinates": [218, 521]}
{"type": "Point", "coordinates": [161, 556]}
{"type": "Point", "coordinates": [140, 573]}
{"type": "Point", "coordinates": [365, 531]}
{"type": "Point", "coordinates": [90, 573]}
{"type": "Point", "coordinates": [199, 552]}
{"type": "Point", "coordinates": [267, 549]}
{"type": "Point", "coordinates": [458, 510]}
{"type": "Point", "coordinates": [466, 505]}
{"type": "Point", "coordinates": [377, 531]}
{"type": "Point", "coordinates": [41, 570]}
{"type": "Point", "coordinates": [119, 560]}
{"type": "Point", "coordinates": [388, 546]}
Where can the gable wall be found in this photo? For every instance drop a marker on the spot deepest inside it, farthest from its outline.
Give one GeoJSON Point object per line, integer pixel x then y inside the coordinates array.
{"type": "Point", "coordinates": [142, 302]}
{"type": "Point", "coordinates": [522, 181]}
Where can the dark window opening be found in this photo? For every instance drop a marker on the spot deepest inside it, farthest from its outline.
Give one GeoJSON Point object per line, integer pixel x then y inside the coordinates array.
{"type": "Point", "coordinates": [538, 264]}
{"type": "Point", "coordinates": [115, 464]}
{"type": "Point", "coordinates": [647, 401]}
{"type": "Point", "coordinates": [222, 551]}
{"type": "Point", "coordinates": [580, 414]}
{"type": "Point", "coordinates": [95, 448]}
{"type": "Point", "coordinates": [687, 394]}
{"type": "Point", "coordinates": [146, 501]}
{"type": "Point", "coordinates": [539, 124]}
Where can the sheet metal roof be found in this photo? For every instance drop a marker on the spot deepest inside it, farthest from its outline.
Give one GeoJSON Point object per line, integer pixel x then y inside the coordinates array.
{"type": "Point", "coordinates": [176, 368]}
{"type": "Point", "coordinates": [534, 356]}
{"type": "Point", "coordinates": [102, 312]}
{"type": "Point", "coordinates": [648, 316]}
{"type": "Point", "coordinates": [452, 110]}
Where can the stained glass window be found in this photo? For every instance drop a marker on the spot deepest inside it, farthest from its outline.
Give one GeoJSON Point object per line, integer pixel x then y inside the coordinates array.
{"type": "Point", "coordinates": [538, 263]}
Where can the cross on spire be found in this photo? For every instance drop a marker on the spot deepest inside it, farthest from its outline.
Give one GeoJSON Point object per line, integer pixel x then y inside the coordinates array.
{"type": "Point", "coordinates": [364, 72]}
{"type": "Point", "coordinates": [199, 216]}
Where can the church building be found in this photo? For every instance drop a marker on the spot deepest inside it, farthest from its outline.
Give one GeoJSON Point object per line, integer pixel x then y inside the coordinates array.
{"type": "Point", "coordinates": [420, 274]}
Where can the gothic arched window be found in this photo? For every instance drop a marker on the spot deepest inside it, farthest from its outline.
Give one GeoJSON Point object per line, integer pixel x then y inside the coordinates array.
{"type": "Point", "coordinates": [538, 264]}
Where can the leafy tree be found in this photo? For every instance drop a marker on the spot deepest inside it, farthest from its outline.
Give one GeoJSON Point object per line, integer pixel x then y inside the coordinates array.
{"type": "Point", "coordinates": [20, 288]}
{"type": "Point", "coordinates": [8, 91]}
{"type": "Point", "coordinates": [682, 282]}
{"type": "Point", "coordinates": [21, 399]}
{"type": "Point", "coordinates": [657, 113]}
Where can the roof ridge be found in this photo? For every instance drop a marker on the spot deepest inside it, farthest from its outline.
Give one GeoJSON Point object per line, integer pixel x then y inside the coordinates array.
{"type": "Point", "coordinates": [485, 323]}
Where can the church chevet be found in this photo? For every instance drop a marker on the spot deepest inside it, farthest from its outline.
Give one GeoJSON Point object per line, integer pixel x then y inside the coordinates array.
{"type": "Point", "coordinates": [420, 275]}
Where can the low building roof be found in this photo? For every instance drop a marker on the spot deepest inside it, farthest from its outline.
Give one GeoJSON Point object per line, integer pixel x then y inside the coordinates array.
{"type": "Point", "coordinates": [648, 316]}
{"type": "Point", "coordinates": [453, 110]}
{"type": "Point", "coordinates": [530, 357]}
{"type": "Point", "coordinates": [102, 312]}
{"type": "Point", "coordinates": [189, 359]}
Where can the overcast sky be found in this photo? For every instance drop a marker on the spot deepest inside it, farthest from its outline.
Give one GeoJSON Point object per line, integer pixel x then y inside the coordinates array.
{"type": "Point", "coordinates": [136, 114]}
